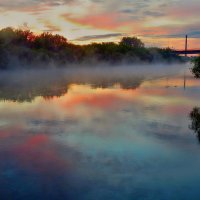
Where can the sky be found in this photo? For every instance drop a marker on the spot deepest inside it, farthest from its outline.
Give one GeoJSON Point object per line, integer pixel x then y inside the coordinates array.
{"type": "Point", "coordinates": [162, 23]}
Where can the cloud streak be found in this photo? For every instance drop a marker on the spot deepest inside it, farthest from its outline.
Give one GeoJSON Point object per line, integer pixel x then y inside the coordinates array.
{"type": "Point", "coordinates": [31, 6]}
{"type": "Point", "coordinates": [97, 37]}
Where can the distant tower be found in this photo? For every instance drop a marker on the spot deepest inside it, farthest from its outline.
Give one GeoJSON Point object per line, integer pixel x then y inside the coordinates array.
{"type": "Point", "coordinates": [186, 45]}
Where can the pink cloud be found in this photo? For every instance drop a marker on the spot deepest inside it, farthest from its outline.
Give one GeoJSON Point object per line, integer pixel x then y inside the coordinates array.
{"type": "Point", "coordinates": [184, 10]}
{"type": "Point", "coordinates": [107, 21]}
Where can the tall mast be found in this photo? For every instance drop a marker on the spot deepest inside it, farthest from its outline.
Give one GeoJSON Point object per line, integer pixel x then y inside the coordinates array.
{"type": "Point", "coordinates": [186, 45]}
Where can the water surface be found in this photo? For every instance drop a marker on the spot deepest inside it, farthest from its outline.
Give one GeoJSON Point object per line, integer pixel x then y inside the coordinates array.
{"type": "Point", "coordinates": [101, 138]}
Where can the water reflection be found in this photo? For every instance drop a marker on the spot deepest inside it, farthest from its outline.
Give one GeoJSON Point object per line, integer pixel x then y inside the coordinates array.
{"type": "Point", "coordinates": [195, 121]}
{"type": "Point", "coordinates": [99, 138]}
{"type": "Point", "coordinates": [27, 85]}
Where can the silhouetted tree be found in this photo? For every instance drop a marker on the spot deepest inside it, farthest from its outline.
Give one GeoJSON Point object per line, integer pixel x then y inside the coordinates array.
{"type": "Point", "coordinates": [50, 42]}
{"type": "Point", "coordinates": [7, 36]}
{"type": "Point", "coordinates": [196, 67]}
{"type": "Point", "coordinates": [132, 42]}
{"type": "Point", "coordinates": [25, 37]}
{"type": "Point", "coordinates": [29, 49]}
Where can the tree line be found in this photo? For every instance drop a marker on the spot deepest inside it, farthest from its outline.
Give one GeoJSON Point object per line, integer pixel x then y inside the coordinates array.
{"type": "Point", "coordinates": [24, 48]}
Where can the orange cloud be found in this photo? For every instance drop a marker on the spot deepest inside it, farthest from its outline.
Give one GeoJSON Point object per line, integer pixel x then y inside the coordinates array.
{"type": "Point", "coordinates": [107, 21]}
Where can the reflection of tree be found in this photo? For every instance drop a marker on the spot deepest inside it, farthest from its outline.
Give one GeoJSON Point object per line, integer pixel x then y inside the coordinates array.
{"type": "Point", "coordinates": [195, 121]}
{"type": "Point", "coordinates": [28, 86]}
{"type": "Point", "coordinates": [21, 91]}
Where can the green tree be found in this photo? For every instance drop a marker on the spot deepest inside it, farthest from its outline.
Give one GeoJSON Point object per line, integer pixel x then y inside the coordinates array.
{"type": "Point", "coordinates": [7, 35]}
{"type": "Point", "coordinates": [24, 38]}
{"type": "Point", "coordinates": [29, 49]}
{"type": "Point", "coordinates": [196, 67]}
{"type": "Point", "coordinates": [132, 42]}
{"type": "Point", "coordinates": [50, 42]}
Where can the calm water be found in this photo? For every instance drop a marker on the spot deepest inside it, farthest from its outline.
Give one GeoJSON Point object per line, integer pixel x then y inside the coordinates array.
{"type": "Point", "coordinates": [99, 139]}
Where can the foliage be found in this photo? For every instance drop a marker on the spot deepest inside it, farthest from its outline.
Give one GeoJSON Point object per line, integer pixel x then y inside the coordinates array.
{"type": "Point", "coordinates": [196, 67]}
{"type": "Point", "coordinates": [38, 50]}
{"type": "Point", "coordinates": [50, 42]}
{"type": "Point", "coordinates": [132, 42]}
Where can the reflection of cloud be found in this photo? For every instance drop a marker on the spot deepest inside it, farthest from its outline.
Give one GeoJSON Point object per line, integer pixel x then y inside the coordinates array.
{"type": "Point", "coordinates": [172, 133]}
{"type": "Point", "coordinates": [114, 154]}
{"type": "Point", "coordinates": [6, 133]}
{"type": "Point", "coordinates": [103, 101]}
{"type": "Point", "coordinates": [38, 154]}
{"type": "Point", "coordinates": [53, 122]}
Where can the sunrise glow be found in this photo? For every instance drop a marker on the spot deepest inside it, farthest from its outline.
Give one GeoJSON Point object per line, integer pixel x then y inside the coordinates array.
{"type": "Point", "coordinates": [162, 23]}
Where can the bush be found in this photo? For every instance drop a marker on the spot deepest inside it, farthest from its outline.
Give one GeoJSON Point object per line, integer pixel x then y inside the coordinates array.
{"type": "Point", "coordinates": [196, 67]}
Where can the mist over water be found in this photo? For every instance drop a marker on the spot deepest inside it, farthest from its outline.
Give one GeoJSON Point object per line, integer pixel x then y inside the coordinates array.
{"type": "Point", "coordinates": [86, 133]}
{"type": "Point", "coordinates": [27, 84]}
{"type": "Point", "coordinates": [92, 73]}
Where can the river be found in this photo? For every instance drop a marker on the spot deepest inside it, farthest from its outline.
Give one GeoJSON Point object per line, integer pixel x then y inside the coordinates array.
{"type": "Point", "coordinates": [116, 138]}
